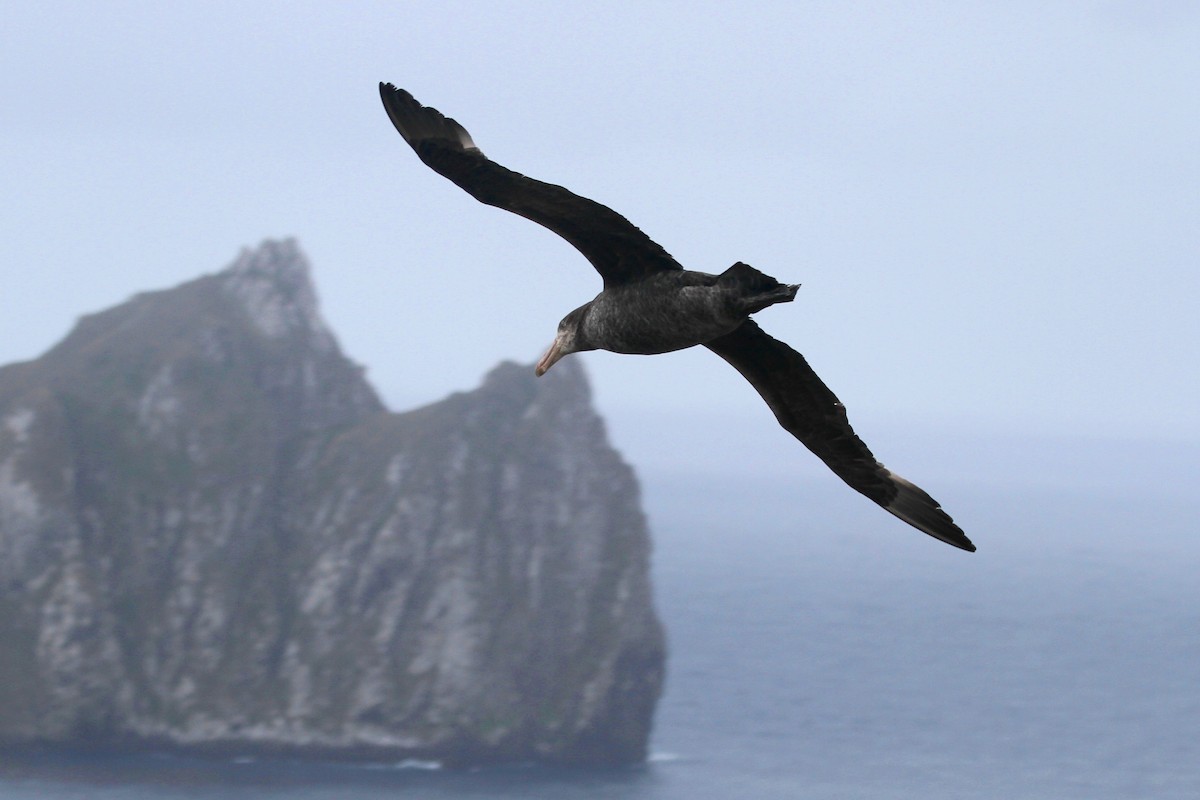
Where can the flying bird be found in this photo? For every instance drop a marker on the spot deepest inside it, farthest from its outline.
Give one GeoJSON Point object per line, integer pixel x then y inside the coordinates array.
{"type": "Point", "coordinates": [650, 304]}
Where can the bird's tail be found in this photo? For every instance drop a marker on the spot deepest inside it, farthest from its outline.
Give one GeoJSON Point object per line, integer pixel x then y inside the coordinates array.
{"type": "Point", "coordinates": [756, 290]}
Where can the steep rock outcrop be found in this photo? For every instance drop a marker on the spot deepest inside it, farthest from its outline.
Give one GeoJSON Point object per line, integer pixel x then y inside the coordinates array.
{"type": "Point", "coordinates": [213, 536]}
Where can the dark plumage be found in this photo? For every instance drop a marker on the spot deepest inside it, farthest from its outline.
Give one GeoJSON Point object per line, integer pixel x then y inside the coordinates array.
{"type": "Point", "coordinates": [650, 304]}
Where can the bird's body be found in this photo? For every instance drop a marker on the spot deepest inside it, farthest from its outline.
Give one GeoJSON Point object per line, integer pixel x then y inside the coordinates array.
{"type": "Point", "coordinates": [651, 305]}
{"type": "Point", "coordinates": [670, 311]}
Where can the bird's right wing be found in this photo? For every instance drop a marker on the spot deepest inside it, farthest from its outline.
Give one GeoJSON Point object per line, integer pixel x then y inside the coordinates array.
{"type": "Point", "coordinates": [618, 250]}
{"type": "Point", "coordinates": [807, 409]}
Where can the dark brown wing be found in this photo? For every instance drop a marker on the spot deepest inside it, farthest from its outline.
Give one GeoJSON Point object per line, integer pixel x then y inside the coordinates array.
{"type": "Point", "coordinates": [808, 410]}
{"type": "Point", "coordinates": [617, 249]}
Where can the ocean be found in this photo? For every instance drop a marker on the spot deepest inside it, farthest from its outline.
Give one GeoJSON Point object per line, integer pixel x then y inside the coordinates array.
{"type": "Point", "coordinates": [820, 649]}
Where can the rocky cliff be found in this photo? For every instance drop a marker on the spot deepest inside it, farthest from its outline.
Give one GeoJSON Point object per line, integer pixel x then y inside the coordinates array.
{"type": "Point", "coordinates": [213, 536]}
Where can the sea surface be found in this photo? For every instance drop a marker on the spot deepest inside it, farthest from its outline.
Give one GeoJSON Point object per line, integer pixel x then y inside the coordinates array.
{"type": "Point", "coordinates": [820, 649]}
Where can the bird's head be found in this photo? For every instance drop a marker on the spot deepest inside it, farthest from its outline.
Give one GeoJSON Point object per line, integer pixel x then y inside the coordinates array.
{"type": "Point", "coordinates": [569, 339]}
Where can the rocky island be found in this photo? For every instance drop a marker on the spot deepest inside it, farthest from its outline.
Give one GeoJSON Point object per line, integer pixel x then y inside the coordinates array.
{"type": "Point", "coordinates": [215, 538]}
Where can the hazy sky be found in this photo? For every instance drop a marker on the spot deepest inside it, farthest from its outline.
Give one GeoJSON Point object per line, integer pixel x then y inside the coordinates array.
{"type": "Point", "coordinates": [993, 208]}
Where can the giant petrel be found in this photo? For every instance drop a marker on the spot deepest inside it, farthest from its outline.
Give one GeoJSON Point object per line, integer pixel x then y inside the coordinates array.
{"type": "Point", "coordinates": [650, 304]}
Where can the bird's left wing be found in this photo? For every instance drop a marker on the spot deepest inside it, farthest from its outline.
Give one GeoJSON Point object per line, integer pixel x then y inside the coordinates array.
{"type": "Point", "coordinates": [807, 409]}
{"type": "Point", "coordinates": [618, 250]}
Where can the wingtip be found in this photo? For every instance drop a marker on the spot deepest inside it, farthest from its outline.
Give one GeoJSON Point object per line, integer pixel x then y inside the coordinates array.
{"type": "Point", "coordinates": [418, 123]}
{"type": "Point", "coordinates": [390, 93]}
{"type": "Point", "coordinates": [913, 505]}
{"type": "Point", "coordinates": [397, 99]}
{"type": "Point", "coordinates": [959, 540]}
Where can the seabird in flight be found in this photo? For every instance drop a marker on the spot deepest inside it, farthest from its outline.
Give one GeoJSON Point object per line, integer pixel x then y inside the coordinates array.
{"type": "Point", "coordinates": [650, 304]}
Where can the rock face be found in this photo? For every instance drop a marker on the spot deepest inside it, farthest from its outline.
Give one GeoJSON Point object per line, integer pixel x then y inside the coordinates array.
{"type": "Point", "coordinates": [213, 536]}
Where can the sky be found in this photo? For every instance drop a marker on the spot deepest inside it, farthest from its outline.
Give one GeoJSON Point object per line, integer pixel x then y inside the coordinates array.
{"type": "Point", "coordinates": [992, 208]}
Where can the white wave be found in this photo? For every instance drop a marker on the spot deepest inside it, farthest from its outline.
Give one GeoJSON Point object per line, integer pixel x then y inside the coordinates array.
{"type": "Point", "coordinates": [408, 763]}
{"type": "Point", "coordinates": [663, 758]}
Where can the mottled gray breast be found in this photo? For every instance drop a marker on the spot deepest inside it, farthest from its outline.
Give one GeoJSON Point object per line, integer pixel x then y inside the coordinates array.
{"type": "Point", "coordinates": [665, 312]}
